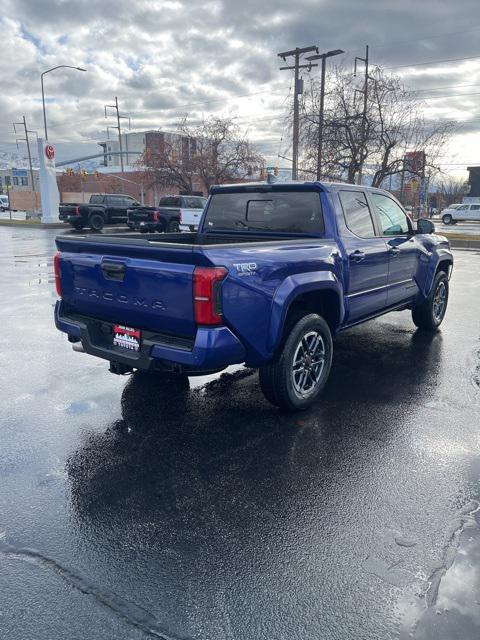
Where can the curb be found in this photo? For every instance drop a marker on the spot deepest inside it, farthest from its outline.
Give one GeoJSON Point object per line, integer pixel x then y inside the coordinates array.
{"type": "Point", "coordinates": [31, 224]}
{"type": "Point", "coordinates": [460, 243]}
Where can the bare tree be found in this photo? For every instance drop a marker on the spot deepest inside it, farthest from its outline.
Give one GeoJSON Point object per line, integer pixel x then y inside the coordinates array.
{"type": "Point", "coordinates": [452, 189]}
{"type": "Point", "coordinates": [394, 125]}
{"type": "Point", "coordinates": [213, 151]}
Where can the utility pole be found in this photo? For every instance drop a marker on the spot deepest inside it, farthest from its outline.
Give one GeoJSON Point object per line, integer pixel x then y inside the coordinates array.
{"type": "Point", "coordinates": [298, 90]}
{"type": "Point", "coordinates": [119, 117]}
{"type": "Point", "coordinates": [25, 139]}
{"type": "Point", "coordinates": [323, 57]}
{"type": "Point", "coordinates": [364, 115]}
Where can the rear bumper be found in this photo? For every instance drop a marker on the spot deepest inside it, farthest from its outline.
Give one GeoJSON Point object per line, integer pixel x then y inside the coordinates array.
{"type": "Point", "coordinates": [64, 217]}
{"type": "Point", "coordinates": [145, 226]}
{"type": "Point", "coordinates": [211, 349]}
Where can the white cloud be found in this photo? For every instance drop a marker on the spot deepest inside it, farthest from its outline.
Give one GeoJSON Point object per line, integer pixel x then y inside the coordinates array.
{"type": "Point", "coordinates": [166, 58]}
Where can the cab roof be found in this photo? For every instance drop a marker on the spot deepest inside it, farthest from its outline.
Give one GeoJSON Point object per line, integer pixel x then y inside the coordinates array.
{"type": "Point", "coordinates": [292, 185]}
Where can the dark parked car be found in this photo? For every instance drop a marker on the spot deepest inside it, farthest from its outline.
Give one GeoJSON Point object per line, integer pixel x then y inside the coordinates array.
{"type": "Point", "coordinates": [174, 213]}
{"type": "Point", "coordinates": [109, 208]}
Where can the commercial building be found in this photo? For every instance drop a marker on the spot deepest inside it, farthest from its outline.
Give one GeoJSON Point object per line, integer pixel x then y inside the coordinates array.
{"type": "Point", "coordinates": [135, 144]}
{"type": "Point", "coordinates": [18, 180]}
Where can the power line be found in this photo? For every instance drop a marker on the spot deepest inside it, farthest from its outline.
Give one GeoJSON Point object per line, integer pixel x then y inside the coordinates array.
{"type": "Point", "coordinates": [27, 141]}
{"type": "Point", "coordinates": [298, 90]}
{"type": "Point", "coordinates": [419, 64]}
{"type": "Point", "coordinates": [451, 86]}
{"type": "Point", "coordinates": [425, 37]}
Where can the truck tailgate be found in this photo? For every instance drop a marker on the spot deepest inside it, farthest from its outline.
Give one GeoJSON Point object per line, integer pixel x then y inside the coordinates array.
{"type": "Point", "coordinates": [140, 292]}
{"type": "Point", "coordinates": [140, 215]}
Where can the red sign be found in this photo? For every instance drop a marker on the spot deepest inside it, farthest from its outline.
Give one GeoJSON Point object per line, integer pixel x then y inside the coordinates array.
{"type": "Point", "coordinates": [49, 151]}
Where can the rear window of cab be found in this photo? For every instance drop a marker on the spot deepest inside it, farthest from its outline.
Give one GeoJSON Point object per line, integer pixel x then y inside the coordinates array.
{"type": "Point", "coordinates": [278, 211]}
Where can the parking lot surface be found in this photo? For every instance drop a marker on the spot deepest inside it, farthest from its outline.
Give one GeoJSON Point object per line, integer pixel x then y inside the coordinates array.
{"type": "Point", "coordinates": [134, 509]}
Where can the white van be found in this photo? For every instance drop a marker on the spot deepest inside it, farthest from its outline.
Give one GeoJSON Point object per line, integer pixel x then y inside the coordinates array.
{"type": "Point", "coordinates": [3, 202]}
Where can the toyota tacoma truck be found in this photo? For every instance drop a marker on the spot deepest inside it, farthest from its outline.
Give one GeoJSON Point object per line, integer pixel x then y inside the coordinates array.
{"type": "Point", "coordinates": [101, 210]}
{"type": "Point", "coordinates": [274, 272]}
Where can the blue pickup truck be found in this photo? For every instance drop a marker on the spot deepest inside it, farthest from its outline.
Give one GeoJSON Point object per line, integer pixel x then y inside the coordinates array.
{"type": "Point", "coordinates": [272, 274]}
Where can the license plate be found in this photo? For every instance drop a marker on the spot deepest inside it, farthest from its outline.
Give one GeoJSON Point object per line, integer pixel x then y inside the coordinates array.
{"type": "Point", "coordinates": [126, 337]}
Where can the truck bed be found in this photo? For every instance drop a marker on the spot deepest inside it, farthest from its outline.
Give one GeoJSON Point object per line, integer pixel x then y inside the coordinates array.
{"type": "Point", "coordinates": [181, 240]}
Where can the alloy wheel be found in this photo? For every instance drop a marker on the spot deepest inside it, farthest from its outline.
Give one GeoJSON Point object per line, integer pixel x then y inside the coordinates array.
{"type": "Point", "coordinates": [308, 364]}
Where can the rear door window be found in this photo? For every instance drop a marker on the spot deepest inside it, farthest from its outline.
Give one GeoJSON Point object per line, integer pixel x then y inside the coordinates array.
{"type": "Point", "coordinates": [280, 211]}
{"type": "Point", "coordinates": [96, 199]}
{"type": "Point", "coordinates": [357, 213]}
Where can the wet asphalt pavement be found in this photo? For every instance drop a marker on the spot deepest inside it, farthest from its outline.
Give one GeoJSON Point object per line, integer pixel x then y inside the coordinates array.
{"type": "Point", "coordinates": [131, 510]}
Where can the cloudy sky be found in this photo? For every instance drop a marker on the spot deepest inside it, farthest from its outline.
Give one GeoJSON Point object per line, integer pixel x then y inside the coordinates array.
{"type": "Point", "coordinates": [165, 58]}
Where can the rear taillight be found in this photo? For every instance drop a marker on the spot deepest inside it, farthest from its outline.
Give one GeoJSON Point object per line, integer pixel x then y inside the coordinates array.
{"type": "Point", "coordinates": [56, 270]}
{"type": "Point", "coordinates": [156, 216]}
{"type": "Point", "coordinates": [207, 301]}
{"type": "Point", "coordinates": [77, 210]}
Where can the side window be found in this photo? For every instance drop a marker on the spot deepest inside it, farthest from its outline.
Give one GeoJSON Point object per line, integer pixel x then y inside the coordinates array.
{"type": "Point", "coordinates": [115, 201]}
{"type": "Point", "coordinates": [357, 213]}
{"type": "Point", "coordinates": [392, 219]}
{"type": "Point", "coordinates": [189, 203]}
{"type": "Point", "coordinates": [464, 207]}
{"type": "Point", "coordinates": [475, 207]}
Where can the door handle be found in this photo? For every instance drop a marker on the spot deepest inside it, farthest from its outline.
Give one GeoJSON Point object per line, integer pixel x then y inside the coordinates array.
{"type": "Point", "coordinates": [357, 256]}
{"type": "Point", "coordinates": [114, 271]}
{"type": "Point", "coordinates": [394, 251]}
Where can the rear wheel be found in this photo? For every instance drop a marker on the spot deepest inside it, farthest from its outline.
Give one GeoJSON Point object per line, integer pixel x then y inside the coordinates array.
{"type": "Point", "coordinates": [173, 226]}
{"type": "Point", "coordinates": [96, 222]}
{"type": "Point", "coordinates": [429, 315]}
{"type": "Point", "coordinates": [297, 376]}
{"type": "Point", "coordinates": [447, 219]}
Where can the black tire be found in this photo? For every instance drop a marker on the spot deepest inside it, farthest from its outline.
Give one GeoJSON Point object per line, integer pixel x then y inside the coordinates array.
{"type": "Point", "coordinates": [297, 390]}
{"type": "Point", "coordinates": [429, 315]}
{"type": "Point", "coordinates": [96, 222]}
{"type": "Point", "coordinates": [173, 226]}
{"type": "Point", "coordinates": [447, 219]}
{"type": "Point", "coordinates": [78, 225]}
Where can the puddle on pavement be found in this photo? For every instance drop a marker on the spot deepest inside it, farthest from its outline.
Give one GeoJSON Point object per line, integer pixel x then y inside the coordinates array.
{"type": "Point", "coordinates": [451, 606]}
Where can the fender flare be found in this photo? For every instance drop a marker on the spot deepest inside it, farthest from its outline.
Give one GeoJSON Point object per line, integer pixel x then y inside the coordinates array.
{"type": "Point", "coordinates": [290, 289]}
{"type": "Point", "coordinates": [441, 255]}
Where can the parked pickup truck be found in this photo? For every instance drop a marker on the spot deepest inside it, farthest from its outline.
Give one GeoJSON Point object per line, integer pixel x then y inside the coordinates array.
{"type": "Point", "coordinates": [101, 210]}
{"type": "Point", "coordinates": [174, 213]}
{"type": "Point", "coordinates": [274, 272]}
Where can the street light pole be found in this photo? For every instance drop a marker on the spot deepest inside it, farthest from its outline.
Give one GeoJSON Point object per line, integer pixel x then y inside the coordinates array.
{"type": "Point", "coordinates": [60, 66]}
{"type": "Point", "coordinates": [323, 57]}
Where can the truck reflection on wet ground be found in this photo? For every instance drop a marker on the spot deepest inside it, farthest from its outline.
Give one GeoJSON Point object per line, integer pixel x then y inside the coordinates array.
{"type": "Point", "coordinates": [211, 481]}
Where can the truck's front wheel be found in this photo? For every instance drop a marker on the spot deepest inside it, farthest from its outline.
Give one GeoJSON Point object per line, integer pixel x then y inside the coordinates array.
{"type": "Point", "coordinates": [295, 379]}
{"type": "Point", "coordinates": [430, 313]}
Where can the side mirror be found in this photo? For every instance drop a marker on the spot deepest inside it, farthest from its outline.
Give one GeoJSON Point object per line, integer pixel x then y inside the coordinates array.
{"type": "Point", "coordinates": [425, 226]}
